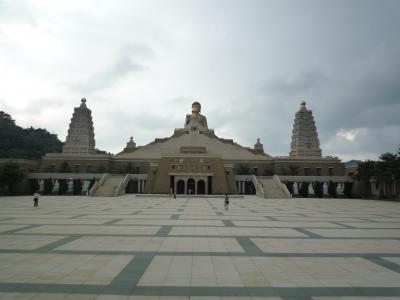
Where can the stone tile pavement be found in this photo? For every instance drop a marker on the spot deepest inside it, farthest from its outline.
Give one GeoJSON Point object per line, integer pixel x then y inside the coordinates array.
{"type": "Point", "coordinates": [145, 248]}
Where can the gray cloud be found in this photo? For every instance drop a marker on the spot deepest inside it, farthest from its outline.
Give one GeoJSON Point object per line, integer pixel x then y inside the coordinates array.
{"type": "Point", "coordinates": [102, 80]}
{"type": "Point", "coordinates": [141, 64]}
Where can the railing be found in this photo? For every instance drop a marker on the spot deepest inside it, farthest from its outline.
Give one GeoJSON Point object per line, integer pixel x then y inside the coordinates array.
{"type": "Point", "coordinates": [98, 184]}
{"type": "Point", "coordinates": [259, 188]}
{"type": "Point", "coordinates": [282, 186]}
{"type": "Point", "coordinates": [315, 178]}
{"type": "Point", "coordinates": [119, 190]}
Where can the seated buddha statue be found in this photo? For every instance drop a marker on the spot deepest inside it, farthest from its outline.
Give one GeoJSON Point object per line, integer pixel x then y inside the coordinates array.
{"type": "Point", "coordinates": [195, 120]}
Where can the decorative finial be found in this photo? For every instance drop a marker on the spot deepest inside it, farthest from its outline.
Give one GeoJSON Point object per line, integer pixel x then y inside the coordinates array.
{"type": "Point", "coordinates": [83, 100]}
{"type": "Point", "coordinates": [303, 103]}
{"type": "Point", "coordinates": [258, 140]}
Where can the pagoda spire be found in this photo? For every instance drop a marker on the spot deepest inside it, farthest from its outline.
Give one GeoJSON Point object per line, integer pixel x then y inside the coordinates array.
{"type": "Point", "coordinates": [305, 140]}
{"type": "Point", "coordinates": [80, 138]}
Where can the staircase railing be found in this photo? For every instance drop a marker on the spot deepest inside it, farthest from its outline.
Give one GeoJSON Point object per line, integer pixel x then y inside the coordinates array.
{"type": "Point", "coordinates": [282, 186]}
{"type": "Point", "coordinates": [98, 184]}
{"type": "Point", "coordinates": [119, 190]}
{"type": "Point", "coordinates": [259, 188]}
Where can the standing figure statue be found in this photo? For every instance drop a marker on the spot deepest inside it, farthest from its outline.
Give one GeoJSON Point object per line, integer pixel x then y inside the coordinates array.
{"type": "Point", "coordinates": [196, 120]}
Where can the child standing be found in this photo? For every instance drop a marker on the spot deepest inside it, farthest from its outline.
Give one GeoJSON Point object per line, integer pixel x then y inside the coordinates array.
{"type": "Point", "coordinates": [226, 201]}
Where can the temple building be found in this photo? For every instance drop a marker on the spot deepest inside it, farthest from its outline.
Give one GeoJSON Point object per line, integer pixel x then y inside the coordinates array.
{"type": "Point", "coordinates": [193, 160]}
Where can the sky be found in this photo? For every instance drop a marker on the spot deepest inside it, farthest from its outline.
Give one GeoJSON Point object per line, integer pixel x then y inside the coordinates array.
{"type": "Point", "coordinates": [141, 64]}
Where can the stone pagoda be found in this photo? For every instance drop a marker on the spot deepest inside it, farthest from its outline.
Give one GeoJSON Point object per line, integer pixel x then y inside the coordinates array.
{"type": "Point", "coordinates": [80, 138]}
{"type": "Point", "coordinates": [305, 140]}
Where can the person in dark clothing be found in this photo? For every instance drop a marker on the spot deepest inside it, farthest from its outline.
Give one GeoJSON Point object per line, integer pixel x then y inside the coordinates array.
{"type": "Point", "coordinates": [226, 201]}
{"type": "Point", "coordinates": [36, 199]}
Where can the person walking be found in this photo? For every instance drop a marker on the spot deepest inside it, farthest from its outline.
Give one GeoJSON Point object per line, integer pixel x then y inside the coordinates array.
{"type": "Point", "coordinates": [226, 201]}
{"type": "Point", "coordinates": [36, 199]}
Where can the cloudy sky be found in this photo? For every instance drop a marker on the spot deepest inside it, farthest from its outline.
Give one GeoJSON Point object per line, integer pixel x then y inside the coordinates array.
{"type": "Point", "coordinates": [141, 64]}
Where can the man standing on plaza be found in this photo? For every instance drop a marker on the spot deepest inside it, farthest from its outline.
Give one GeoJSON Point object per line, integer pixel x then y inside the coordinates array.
{"type": "Point", "coordinates": [36, 199]}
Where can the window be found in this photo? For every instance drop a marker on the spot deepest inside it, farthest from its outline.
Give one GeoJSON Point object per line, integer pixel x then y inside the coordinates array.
{"type": "Point", "coordinates": [319, 171]}
{"type": "Point", "coordinates": [255, 171]}
{"type": "Point", "coordinates": [76, 168]}
{"type": "Point", "coordinates": [307, 172]}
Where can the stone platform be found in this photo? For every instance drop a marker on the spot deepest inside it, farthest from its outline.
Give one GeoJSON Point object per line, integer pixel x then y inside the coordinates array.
{"type": "Point", "coordinates": [191, 248]}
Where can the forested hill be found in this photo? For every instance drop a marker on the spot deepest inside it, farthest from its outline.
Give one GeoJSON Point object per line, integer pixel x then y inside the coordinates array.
{"type": "Point", "coordinates": [29, 143]}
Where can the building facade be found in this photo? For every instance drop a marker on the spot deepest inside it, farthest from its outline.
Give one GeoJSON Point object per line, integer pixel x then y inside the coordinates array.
{"type": "Point", "coordinates": [193, 160]}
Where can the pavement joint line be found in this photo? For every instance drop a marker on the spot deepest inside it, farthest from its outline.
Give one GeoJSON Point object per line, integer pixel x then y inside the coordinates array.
{"type": "Point", "coordinates": [208, 236]}
{"type": "Point", "coordinates": [47, 248]}
{"type": "Point", "coordinates": [218, 213]}
{"type": "Point", "coordinates": [307, 232]}
{"type": "Point", "coordinates": [368, 220]}
{"type": "Point", "coordinates": [249, 247]}
{"type": "Point", "coordinates": [174, 216]}
{"type": "Point", "coordinates": [345, 225]}
{"type": "Point", "coordinates": [124, 287]}
{"type": "Point", "coordinates": [191, 253]}
{"type": "Point", "coordinates": [112, 222]}
{"type": "Point", "coordinates": [77, 216]}
{"type": "Point", "coordinates": [136, 212]}
{"type": "Point", "coordinates": [20, 229]}
{"type": "Point", "coordinates": [300, 297]}
{"type": "Point", "coordinates": [228, 223]}
{"type": "Point", "coordinates": [131, 273]}
{"type": "Point", "coordinates": [384, 263]}
{"type": "Point", "coordinates": [270, 218]}
{"type": "Point", "coordinates": [164, 230]}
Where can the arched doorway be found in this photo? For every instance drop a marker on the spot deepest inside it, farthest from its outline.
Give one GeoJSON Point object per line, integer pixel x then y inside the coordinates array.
{"type": "Point", "coordinates": [191, 186]}
{"type": "Point", "coordinates": [180, 187]}
{"type": "Point", "coordinates": [201, 187]}
{"type": "Point", "coordinates": [132, 187]}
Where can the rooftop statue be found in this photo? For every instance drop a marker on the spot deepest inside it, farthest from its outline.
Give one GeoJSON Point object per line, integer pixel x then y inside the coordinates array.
{"type": "Point", "coordinates": [195, 120]}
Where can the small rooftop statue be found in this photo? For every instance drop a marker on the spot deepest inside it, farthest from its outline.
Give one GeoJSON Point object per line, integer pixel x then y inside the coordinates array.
{"type": "Point", "coordinates": [196, 121]}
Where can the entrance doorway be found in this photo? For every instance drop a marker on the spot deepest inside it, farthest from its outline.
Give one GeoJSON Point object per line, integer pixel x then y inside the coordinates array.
{"type": "Point", "coordinates": [132, 187]}
{"type": "Point", "coordinates": [201, 187]}
{"type": "Point", "coordinates": [191, 186]}
{"type": "Point", "coordinates": [180, 187]}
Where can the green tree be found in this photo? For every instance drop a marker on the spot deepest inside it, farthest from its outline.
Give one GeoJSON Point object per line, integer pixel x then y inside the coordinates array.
{"type": "Point", "coordinates": [129, 168]}
{"type": "Point", "coordinates": [318, 189]}
{"type": "Point", "coordinates": [303, 191]}
{"type": "Point", "coordinates": [289, 186]}
{"type": "Point", "coordinates": [243, 169]}
{"type": "Point", "coordinates": [293, 170]}
{"type": "Point", "coordinates": [48, 186]}
{"type": "Point", "coordinates": [34, 185]}
{"type": "Point", "coordinates": [65, 168]}
{"type": "Point", "coordinates": [347, 191]}
{"type": "Point", "coordinates": [63, 187]}
{"type": "Point", "coordinates": [77, 189]}
{"type": "Point", "coordinates": [332, 189]}
{"type": "Point", "coordinates": [29, 143]}
{"type": "Point", "coordinates": [10, 174]}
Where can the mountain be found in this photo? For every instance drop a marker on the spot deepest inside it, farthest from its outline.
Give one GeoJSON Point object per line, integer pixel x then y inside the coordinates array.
{"type": "Point", "coordinates": [28, 143]}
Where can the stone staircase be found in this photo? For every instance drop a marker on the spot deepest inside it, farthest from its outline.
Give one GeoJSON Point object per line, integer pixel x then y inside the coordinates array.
{"type": "Point", "coordinates": [273, 188]}
{"type": "Point", "coordinates": [109, 186]}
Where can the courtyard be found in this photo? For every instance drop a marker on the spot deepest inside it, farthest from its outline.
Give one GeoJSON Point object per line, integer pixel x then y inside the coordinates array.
{"type": "Point", "coordinates": [154, 247]}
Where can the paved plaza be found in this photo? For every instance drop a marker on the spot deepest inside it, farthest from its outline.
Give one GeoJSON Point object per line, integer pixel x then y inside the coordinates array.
{"type": "Point", "coordinates": [152, 247]}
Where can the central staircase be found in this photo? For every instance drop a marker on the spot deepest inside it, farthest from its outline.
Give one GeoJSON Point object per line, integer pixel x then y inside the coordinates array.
{"type": "Point", "coordinates": [109, 186]}
{"type": "Point", "coordinates": [273, 188]}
